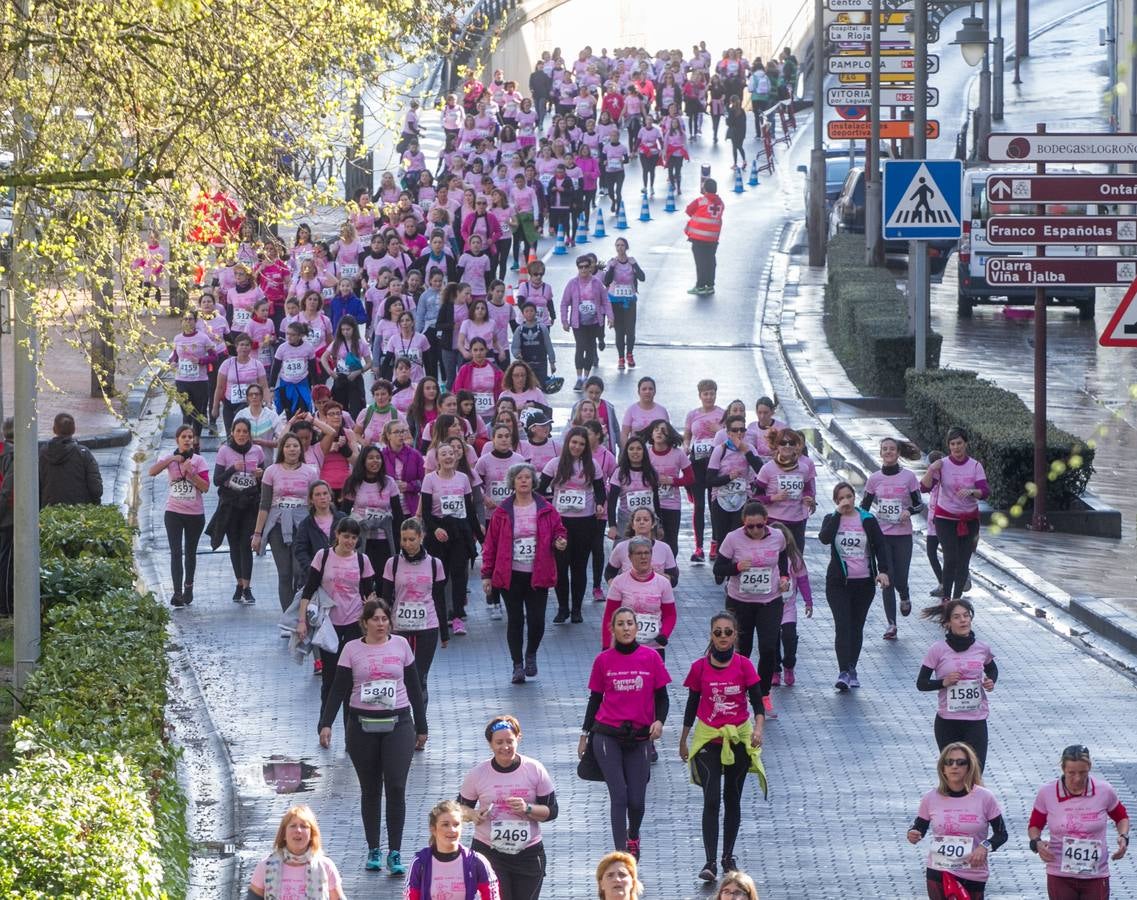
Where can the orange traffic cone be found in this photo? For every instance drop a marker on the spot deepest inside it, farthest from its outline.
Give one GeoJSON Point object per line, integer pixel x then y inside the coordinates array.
{"type": "Point", "coordinates": [532, 257]}
{"type": "Point", "coordinates": [523, 272]}
{"type": "Point", "coordinates": [509, 298]}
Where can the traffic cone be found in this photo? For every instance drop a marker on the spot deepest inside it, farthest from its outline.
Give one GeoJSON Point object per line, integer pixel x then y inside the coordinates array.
{"type": "Point", "coordinates": [598, 227]}
{"type": "Point", "coordinates": [669, 206]}
{"type": "Point", "coordinates": [738, 188]}
{"type": "Point", "coordinates": [523, 272]}
{"type": "Point", "coordinates": [509, 298]}
{"type": "Point", "coordinates": [753, 182]}
{"type": "Point", "coordinates": [581, 229]}
{"type": "Point", "coordinates": [560, 249]}
{"type": "Point", "coordinates": [532, 257]}
{"type": "Point", "coordinates": [621, 217]}
{"type": "Point", "coordinates": [645, 210]}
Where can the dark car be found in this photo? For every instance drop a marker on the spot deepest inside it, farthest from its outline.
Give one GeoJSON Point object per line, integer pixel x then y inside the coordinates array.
{"type": "Point", "coordinates": [848, 214]}
{"type": "Point", "coordinates": [837, 165]}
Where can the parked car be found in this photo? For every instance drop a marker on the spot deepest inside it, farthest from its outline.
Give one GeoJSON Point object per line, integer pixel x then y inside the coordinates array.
{"type": "Point", "coordinates": [974, 250]}
{"type": "Point", "coordinates": [848, 214]}
{"type": "Point", "coordinates": [837, 165]}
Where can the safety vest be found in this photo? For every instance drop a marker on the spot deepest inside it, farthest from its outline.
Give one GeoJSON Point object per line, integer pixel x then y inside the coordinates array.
{"type": "Point", "coordinates": [706, 218]}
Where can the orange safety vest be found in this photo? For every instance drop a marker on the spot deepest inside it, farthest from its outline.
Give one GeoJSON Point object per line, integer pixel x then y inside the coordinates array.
{"type": "Point", "coordinates": [706, 218]}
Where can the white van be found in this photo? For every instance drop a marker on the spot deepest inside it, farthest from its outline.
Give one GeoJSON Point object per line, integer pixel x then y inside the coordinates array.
{"type": "Point", "coordinates": [974, 250]}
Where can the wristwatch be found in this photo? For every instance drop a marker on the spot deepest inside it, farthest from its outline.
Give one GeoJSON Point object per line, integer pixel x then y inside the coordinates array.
{"type": "Point", "coordinates": [986, 845]}
{"type": "Point", "coordinates": [1034, 845]}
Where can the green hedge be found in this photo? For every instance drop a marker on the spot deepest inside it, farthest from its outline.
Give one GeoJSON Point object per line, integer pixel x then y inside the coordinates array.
{"type": "Point", "coordinates": [866, 320]}
{"type": "Point", "coordinates": [1001, 431]}
{"type": "Point", "coordinates": [111, 818]}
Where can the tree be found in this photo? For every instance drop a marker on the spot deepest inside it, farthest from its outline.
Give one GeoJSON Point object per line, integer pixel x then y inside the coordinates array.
{"type": "Point", "coordinates": [122, 112]}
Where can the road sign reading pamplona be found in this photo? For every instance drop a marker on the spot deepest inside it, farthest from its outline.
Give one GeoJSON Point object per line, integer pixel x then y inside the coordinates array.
{"type": "Point", "coordinates": [897, 62]}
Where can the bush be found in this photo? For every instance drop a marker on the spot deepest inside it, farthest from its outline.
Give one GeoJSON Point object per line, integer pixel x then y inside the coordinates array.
{"type": "Point", "coordinates": [95, 722]}
{"type": "Point", "coordinates": [866, 321]}
{"type": "Point", "coordinates": [1001, 432]}
{"type": "Point", "coordinates": [70, 532]}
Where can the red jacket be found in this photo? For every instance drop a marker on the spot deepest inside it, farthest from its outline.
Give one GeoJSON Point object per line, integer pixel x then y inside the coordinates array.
{"type": "Point", "coordinates": [706, 218]}
{"type": "Point", "coordinates": [497, 549]}
{"type": "Point", "coordinates": [464, 380]}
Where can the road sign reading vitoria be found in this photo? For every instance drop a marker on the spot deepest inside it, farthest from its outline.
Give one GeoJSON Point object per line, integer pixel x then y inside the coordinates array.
{"type": "Point", "coordinates": [1058, 271]}
{"type": "Point", "coordinates": [1057, 148]}
{"type": "Point", "coordinates": [838, 96]}
{"type": "Point", "coordinates": [1014, 188]}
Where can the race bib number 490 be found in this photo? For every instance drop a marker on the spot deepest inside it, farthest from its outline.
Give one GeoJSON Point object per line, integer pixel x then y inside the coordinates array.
{"type": "Point", "coordinates": [949, 852]}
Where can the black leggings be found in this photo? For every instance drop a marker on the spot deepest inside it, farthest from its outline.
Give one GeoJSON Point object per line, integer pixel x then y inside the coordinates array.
{"type": "Point", "coordinates": [849, 601]}
{"type": "Point", "coordinates": [675, 171]}
{"type": "Point", "coordinates": [648, 165]}
{"type": "Point", "coordinates": [599, 557]}
{"type": "Point", "coordinates": [624, 315]}
{"type": "Point", "coordinates": [931, 545]}
{"type": "Point", "coordinates": [381, 763]}
{"type": "Point", "coordinates": [229, 413]}
{"type": "Point", "coordinates": [524, 612]}
{"type": "Point", "coordinates": [561, 218]}
{"type": "Point", "coordinates": [898, 552]}
{"type": "Point", "coordinates": [669, 518]}
{"type": "Point", "coordinates": [348, 393]}
{"type": "Point", "coordinates": [519, 875]}
{"type": "Point", "coordinates": [455, 559]}
{"type": "Point", "coordinates": [787, 650]}
{"type": "Point", "coordinates": [701, 493]}
{"type": "Point", "coordinates": [587, 355]}
{"type": "Point", "coordinates": [627, 770]}
{"type": "Point", "coordinates": [378, 551]}
{"type": "Point", "coordinates": [957, 553]}
{"type": "Point", "coordinates": [187, 528]}
{"type": "Point", "coordinates": [723, 522]}
{"type": "Point", "coordinates": [195, 411]}
{"type": "Point", "coordinates": [721, 786]}
{"type": "Point", "coordinates": [425, 645]}
{"type": "Point", "coordinates": [612, 183]}
{"type": "Point", "coordinates": [765, 621]}
{"type": "Point", "coordinates": [239, 534]}
{"type": "Point", "coordinates": [519, 242]}
{"type": "Point", "coordinates": [971, 732]}
{"type": "Point", "coordinates": [502, 257]}
{"type": "Point", "coordinates": [737, 150]}
{"type": "Point", "coordinates": [572, 562]}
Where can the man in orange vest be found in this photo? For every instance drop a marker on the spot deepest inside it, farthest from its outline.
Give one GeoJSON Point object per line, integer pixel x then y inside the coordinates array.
{"type": "Point", "coordinates": [703, 232]}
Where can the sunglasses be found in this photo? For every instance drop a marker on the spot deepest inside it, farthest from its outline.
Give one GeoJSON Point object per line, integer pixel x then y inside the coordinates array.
{"type": "Point", "coordinates": [738, 431]}
{"type": "Point", "coordinates": [723, 632]}
{"type": "Point", "coordinates": [962, 763]}
{"type": "Point", "coordinates": [787, 443]}
{"type": "Point", "coordinates": [1075, 752]}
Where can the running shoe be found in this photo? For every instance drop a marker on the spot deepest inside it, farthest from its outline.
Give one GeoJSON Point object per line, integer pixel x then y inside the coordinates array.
{"type": "Point", "coordinates": [788, 676]}
{"type": "Point", "coordinates": [248, 598]}
{"type": "Point", "coordinates": [652, 753]}
{"type": "Point", "coordinates": [707, 289]}
{"type": "Point", "coordinates": [530, 665]}
{"type": "Point", "coordinates": [187, 594]}
{"type": "Point", "coordinates": [854, 682]}
{"type": "Point", "coordinates": [697, 289]}
{"type": "Point", "coordinates": [633, 847]}
{"type": "Point", "coordinates": [631, 360]}
{"type": "Point", "coordinates": [698, 556]}
{"type": "Point", "coordinates": [518, 674]}
{"type": "Point", "coordinates": [937, 591]}
{"type": "Point", "coordinates": [579, 386]}
{"type": "Point", "coordinates": [729, 865]}
{"type": "Point", "coordinates": [561, 617]}
{"type": "Point", "coordinates": [967, 584]}
{"type": "Point", "coordinates": [598, 595]}
{"type": "Point", "coordinates": [177, 602]}
{"type": "Point", "coordinates": [238, 594]}
{"type": "Point", "coordinates": [515, 267]}
{"type": "Point", "coordinates": [709, 872]}
{"type": "Point", "coordinates": [620, 365]}
{"type": "Point", "coordinates": [577, 618]}
{"type": "Point", "coordinates": [890, 633]}
{"type": "Point", "coordinates": [395, 863]}
{"type": "Point", "coordinates": [317, 666]}
{"type": "Point", "coordinates": [457, 625]}
{"type": "Point", "coordinates": [495, 612]}
{"type": "Point", "coordinates": [714, 554]}
{"type": "Point", "coordinates": [905, 607]}
{"type": "Point", "coordinates": [768, 705]}
{"type": "Point", "coordinates": [600, 342]}
{"type": "Point", "coordinates": [374, 860]}
{"type": "Point", "coordinates": [842, 682]}
{"type": "Point", "coordinates": [776, 679]}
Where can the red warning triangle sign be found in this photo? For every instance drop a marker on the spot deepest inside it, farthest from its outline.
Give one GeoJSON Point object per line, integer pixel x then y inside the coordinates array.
{"type": "Point", "coordinates": [1122, 328]}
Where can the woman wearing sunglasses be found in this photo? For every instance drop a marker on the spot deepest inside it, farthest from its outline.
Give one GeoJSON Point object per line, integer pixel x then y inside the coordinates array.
{"type": "Point", "coordinates": [787, 483]}
{"type": "Point", "coordinates": [1074, 809]}
{"type": "Point", "coordinates": [959, 812]}
{"type": "Point", "coordinates": [963, 671]}
{"type": "Point", "coordinates": [726, 745]}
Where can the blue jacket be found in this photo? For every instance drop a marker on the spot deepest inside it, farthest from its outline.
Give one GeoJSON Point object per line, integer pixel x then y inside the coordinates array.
{"type": "Point", "coordinates": [346, 306]}
{"type": "Point", "coordinates": [474, 867]}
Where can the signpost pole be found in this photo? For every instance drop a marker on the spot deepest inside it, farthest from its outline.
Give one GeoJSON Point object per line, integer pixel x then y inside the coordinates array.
{"type": "Point", "coordinates": [874, 243]}
{"type": "Point", "coordinates": [817, 223]}
{"type": "Point", "coordinates": [1038, 520]}
{"type": "Point", "coordinates": [918, 284]}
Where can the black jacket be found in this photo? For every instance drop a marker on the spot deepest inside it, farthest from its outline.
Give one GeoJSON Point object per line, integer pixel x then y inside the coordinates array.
{"type": "Point", "coordinates": [308, 540]}
{"type": "Point", "coordinates": [877, 558]}
{"type": "Point", "coordinates": [68, 474]}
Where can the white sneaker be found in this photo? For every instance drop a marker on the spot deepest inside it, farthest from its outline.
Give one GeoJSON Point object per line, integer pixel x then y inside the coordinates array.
{"type": "Point", "coordinates": [495, 612]}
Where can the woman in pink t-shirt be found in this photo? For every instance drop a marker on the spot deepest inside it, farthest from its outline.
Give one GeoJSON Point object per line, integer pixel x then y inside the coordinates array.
{"type": "Point", "coordinates": [507, 797]}
{"type": "Point", "coordinates": [673, 468]}
{"type": "Point", "coordinates": [959, 813]}
{"type": "Point", "coordinates": [962, 670]}
{"type": "Point", "coordinates": [627, 706]}
{"type": "Point", "coordinates": [385, 720]}
{"type": "Point", "coordinates": [446, 868]}
{"type": "Point", "coordinates": [297, 867]}
{"type": "Point", "coordinates": [188, 478]}
{"type": "Point", "coordinates": [644, 411]}
{"type": "Point", "coordinates": [719, 685]}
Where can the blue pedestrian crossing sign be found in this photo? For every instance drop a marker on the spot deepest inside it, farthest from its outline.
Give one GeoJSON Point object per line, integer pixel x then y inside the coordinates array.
{"type": "Point", "coordinates": [922, 198]}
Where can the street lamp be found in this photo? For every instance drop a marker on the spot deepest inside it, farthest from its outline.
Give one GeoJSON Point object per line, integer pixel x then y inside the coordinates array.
{"type": "Point", "coordinates": [972, 40]}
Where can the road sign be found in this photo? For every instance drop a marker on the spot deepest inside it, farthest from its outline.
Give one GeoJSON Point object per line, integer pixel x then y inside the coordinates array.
{"type": "Point", "coordinates": [852, 96]}
{"type": "Point", "coordinates": [1059, 271]}
{"type": "Point", "coordinates": [897, 63]}
{"type": "Point", "coordinates": [1056, 148]}
{"type": "Point", "coordinates": [1121, 331]}
{"type": "Point", "coordinates": [1061, 230]}
{"type": "Point", "coordinates": [906, 81]}
{"type": "Point", "coordinates": [851, 112]}
{"type": "Point", "coordinates": [862, 34]}
{"type": "Point", "coordinates": [922, 198]}
{"type": "Point", "coordinates": [860, 18]}
{"type": "Point", "coordinates": [890, 129]}
{"type": "Point", "coordinates": [1014, 188]}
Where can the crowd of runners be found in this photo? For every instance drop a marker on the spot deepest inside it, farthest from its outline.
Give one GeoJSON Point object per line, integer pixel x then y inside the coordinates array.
{"type": "Point", "coordinates": [384, 404]}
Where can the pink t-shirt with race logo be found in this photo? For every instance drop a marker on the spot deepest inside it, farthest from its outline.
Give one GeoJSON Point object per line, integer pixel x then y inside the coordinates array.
{"type": "Point", "coordinates": [289, 485]}
{"type": "Point", "coordinates": [646, 599]}
{"type": "Point", "coordinates": [294, 361]}
{"type": "Point", "coordinates": [239, 375]}
{"type": "Point", "coordinates": [670, 464]}
{"type": "Point", "coordinates": [662, 558]}
{"type": "Point", "coordinates": [637, 418]}
{"type": "Point", "coordinates": [575, 497]}
{"type": "Point", "coordinates": [244, 463]}
{"type": "Point", "coordinates": [373, 495]}
{"type": "Point", "coordinates": [722, 692]}
{"type": "Point", "coordinates": [294, 879]}
{"type": "Point", "coordinates": [962, 817]}
{"type": "Point", "coordinates": [414, 592]}
{"type": "Point", "coordinates": [486, 784]}
{"type": "Point", "coordinates": [342, 581]}
{"type": "Point", "coordinates": [892, 494]}
{"type": "Point", "coordinates": [371, 666]}
{"type": "Point", "coordinates": [524, 529]}
{"type": "Point", "coordinates": [540, 454]}
{"type": "Point", "coordinates": [703, 425]}
{"type": "Point", "coordinates": [447, 493]}
{"type": "Point", "coordinates": [954, 477]}
{"type": "Point", "coordinates": [798, 482]}
{"type": "Point", "coordinates": [966, 699]}
{"type": "Point", "coordinates": [852, 545]}
{"type": "Point", "coordinates": [628, 682]}
{"type": "Point", "coordinates": [1082, 818]}
{"type": "Point", "coordinates": [761, 583]}
{"type": "Point", "coordinates": [184, 497]}
{"type": "Point", "coordinates": [493, 471]}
